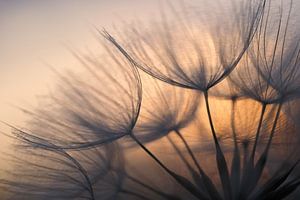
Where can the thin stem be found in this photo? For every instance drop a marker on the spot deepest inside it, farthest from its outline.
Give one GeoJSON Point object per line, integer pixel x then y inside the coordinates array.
{"type": "Point", "coordinates": [184, 160]}
{"type": "Point", "coordinates": [151, 155]}
{"type": "Point", "coordinates": [260, 165]}
{"type": "Point", "coordinates": [210, 120]}
{"type": "Point", "coordinates": [246, 171]}
{"type": "Point", "coordinates": [245, 146]}
{"type": "Point", "coordinates": [167, 196]}
{"type": "Point", "coordinates": [220, 158]}
{"type": "Point", "coordinates": [233, 105]}
{"type": "Point", "coordinates": [274, 127]}
{"type": "Point", "coordinates": [236, 162]}
{"type": "Point", "coordinates": [263, 109]}
{"type": "Point", "coordinates": [188, 149]}
{"type": "Point", "coordinates": [202, 181]}
{"type": "Point", "coordinates": [196, 193]}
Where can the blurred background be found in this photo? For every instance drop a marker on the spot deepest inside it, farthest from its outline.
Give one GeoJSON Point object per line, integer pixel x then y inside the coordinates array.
{"type": "Point", "coordinates": [36, 34]}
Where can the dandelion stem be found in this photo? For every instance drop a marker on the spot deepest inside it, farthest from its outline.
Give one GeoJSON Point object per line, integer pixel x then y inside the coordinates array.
{"type": "Point", "coordinates": [263, 109]}
{"type": "Point", "coordinates": [245, 145]}
{"type": "Point", "coordinates": [179, 179]}
{"type": "Point", "coordinates": [150, 154]}
{"type": "Point", "coordinates": [167, 196]}
{"type": "Point", "coordinates": [260, 165]}
{"type": "Point", "coordinates": [203, 181]}
{"type": "Point", "coordinates": [184, 160]}
{"type": "Point", "coordinates": [233, 105]}
{"type": "Point", "coordinates": [220, 158]}
{"type": "Point", "coordinates": [188, 149]}
{"type": "Point", "coordinates": [236, 162]}
{"type": "Point", "coordinates": [274, 127]}
{"type": "Point", "coordinates": [210, 120]}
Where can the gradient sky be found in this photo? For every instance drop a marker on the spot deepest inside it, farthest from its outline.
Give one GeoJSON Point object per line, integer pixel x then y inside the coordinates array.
{"type": "Point", "coordinates": [35, 31]}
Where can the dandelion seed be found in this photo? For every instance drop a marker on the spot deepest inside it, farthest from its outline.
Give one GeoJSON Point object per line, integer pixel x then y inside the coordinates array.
{"type": "Point", "coordinates": [99, 106]}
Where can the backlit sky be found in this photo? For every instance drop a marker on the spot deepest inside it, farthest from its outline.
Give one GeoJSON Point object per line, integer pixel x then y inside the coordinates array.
{"type": "Point", "coordinates": [34, 31]}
